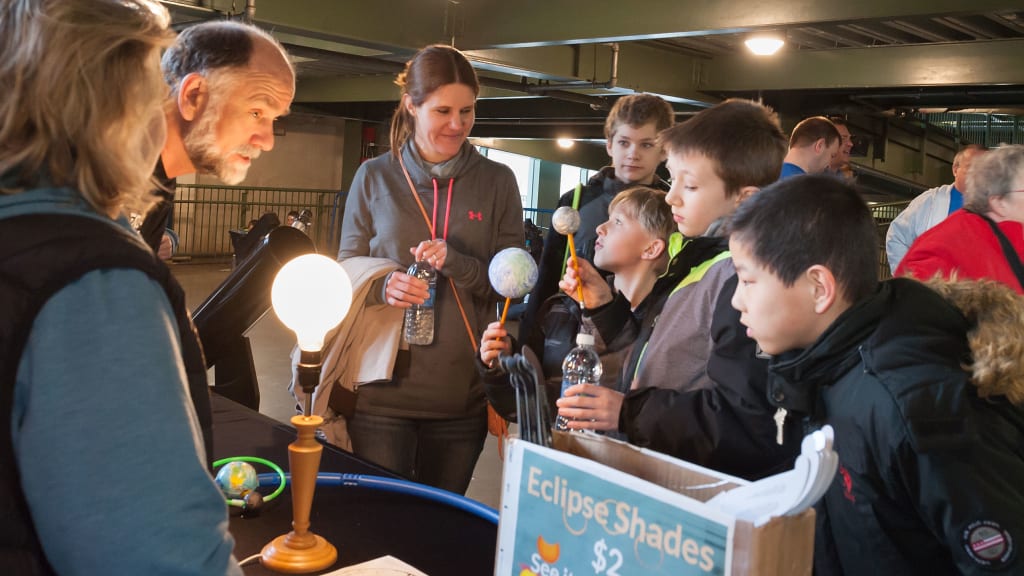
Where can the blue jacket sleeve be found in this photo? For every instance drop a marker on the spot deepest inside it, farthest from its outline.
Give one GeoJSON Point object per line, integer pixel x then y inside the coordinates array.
{"type": "Point", "coordinates": [107, 444]}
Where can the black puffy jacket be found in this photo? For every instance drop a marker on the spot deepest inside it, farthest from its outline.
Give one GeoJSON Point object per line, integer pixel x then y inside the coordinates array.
{"type": "Point", "coordinates": [931, 456]}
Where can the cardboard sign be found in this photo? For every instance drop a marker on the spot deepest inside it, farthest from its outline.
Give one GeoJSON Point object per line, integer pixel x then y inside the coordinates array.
{"type": "Point", "coordinates": [564, 515]}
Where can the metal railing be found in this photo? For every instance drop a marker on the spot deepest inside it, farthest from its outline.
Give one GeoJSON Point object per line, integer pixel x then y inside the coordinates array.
{"type": "Point", "coordinates": [884, 214]}
{"type": "Point", "coordinates": [203, 215]}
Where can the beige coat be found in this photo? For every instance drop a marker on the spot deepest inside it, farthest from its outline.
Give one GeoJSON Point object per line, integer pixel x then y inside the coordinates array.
{"type": "Point", "coordinates": [360, 350]}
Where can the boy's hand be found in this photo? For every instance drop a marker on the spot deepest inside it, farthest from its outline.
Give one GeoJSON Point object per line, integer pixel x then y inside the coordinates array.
{"type": "Point", "coordinates": [596, 292]}
{"type": "Point", "coordinates": [402, 290]}
{"type": "Point", "coordinates": [494, 343]}
{"type": "Point", "coordinates": [433, 251]}
{"type": "Point", "coordinates": [590, 407]}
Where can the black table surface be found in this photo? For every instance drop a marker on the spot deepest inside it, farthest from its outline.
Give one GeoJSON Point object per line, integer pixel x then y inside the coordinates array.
{"type": "Point", "coordinates": [362, 523]}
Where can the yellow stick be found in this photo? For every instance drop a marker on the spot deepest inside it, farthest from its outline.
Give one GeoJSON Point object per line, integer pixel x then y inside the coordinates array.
{"type": "Point", "coordinates": [576, 267]}
{"type": "Point", "coordinates": [505, 311]}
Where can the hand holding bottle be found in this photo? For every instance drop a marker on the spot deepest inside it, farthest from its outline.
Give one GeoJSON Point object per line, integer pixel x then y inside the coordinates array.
{"type": "Point", "coordinates": [403, 290]}
{"type": "Point", "coordinates": [433, 251]}
{"type": "Point", "coordinates": [590, 407]}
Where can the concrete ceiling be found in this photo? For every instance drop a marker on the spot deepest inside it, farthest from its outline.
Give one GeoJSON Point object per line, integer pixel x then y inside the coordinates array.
{"type": "Point", "coordinates": [553, 67]}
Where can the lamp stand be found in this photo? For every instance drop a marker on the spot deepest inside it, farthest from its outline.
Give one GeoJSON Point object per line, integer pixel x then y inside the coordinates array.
{"type": "Point", "coordinates": [301, 551]}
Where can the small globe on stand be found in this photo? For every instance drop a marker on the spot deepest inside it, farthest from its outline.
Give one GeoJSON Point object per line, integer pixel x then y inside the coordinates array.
{"type": "Point", "coordinates": [236, 479]}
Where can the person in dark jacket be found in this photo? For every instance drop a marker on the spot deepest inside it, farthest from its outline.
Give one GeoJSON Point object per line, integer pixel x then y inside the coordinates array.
{"type": "Point", "coordinates": [103, 395]}
{"type": "Point", "coordinates": [922, 384]}
{"type": "Point", "coordinates": [696, 384]}
{"type": "Point", "coordinates": [630, 132]}
{"type": "Point", "coordinates": [633, 245]}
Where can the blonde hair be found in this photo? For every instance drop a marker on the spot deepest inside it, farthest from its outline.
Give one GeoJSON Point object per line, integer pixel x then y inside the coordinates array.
{"type": "Point", "coordinates": [648, 207]}
{"type": "Point", "coordinates": [82, 107]}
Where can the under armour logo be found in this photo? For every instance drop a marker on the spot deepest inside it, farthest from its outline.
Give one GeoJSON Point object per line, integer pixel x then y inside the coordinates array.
{"type": "Point", "coordinates": [847, 484]}
{"type": "Point", "coordinates": [476, 216]}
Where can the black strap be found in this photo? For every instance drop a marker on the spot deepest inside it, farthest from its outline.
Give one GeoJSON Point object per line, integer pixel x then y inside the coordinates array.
{"type": "Point", "coordinates": [1008, 250]}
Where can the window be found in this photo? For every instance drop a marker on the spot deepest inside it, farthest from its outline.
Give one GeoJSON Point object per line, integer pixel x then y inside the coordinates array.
{"type": "Point", "coordinates": [525, 169]}
{"type": "Point", "coordinates": [573, 175]}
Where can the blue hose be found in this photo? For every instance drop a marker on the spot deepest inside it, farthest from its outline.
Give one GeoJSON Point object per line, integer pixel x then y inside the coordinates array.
{"type": "Point", "coordinates": [400, 486]}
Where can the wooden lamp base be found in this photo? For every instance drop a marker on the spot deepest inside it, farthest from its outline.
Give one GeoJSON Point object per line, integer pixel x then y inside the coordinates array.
{"type": "Point", "coordinates": [283, 554]}
{"type": "Point", "coordinates": [301, 551]}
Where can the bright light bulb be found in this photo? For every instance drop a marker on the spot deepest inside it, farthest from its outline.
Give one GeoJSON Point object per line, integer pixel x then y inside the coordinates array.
{"type": "Point", "coordinates": [764, 45]}
{"type": "Point", "coordinates": [311, 295]}
{"type": "Point", "coordinates": [565, 142]}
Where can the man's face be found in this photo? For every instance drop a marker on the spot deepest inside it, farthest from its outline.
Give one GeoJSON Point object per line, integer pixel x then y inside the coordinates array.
{"type": "Point", "coordinates": [777, 317]}
{"type": "Point", "coordinates": [825, 155]}
{"type": "Point", "coordinates": [697, 196]}
{"type": "Point", "coordinates": [635, 153]}
{"type": "Point", "coordinates": [845, 145]}
{"type": "Point", "coordinates": [961, 167]}
{"type": "Point", "coordinates": [621, 241]}
{"type": "Point", "coordinates": [237, 124]}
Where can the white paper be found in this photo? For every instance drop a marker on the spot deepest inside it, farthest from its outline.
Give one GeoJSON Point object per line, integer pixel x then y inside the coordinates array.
{"type": "Point", "coordinates": [383, 566]}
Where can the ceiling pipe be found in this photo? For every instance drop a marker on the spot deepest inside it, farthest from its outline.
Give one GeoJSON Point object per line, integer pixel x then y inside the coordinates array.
{"type": "Point", "coordinates": [610, 83]}
{"type": "Point", "coordinates": [595, 102]}
{"type": "Point", "coordinates": [388, 66]}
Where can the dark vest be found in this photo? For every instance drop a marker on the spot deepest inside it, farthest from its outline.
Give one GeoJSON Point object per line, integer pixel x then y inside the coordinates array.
{"type": "Point", "coordinates": [39, 255]}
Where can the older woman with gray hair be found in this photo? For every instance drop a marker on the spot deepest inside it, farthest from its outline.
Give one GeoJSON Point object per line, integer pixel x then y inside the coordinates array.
{"type": "Point", "coordinates": [986, 238]}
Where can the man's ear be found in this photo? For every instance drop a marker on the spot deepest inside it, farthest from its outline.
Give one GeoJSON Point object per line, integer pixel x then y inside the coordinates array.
{"type": "Point", "coordinates": [744, 193]}
{"type": "Point", "coordinates": [193, 95]}
{"type": "Point", "coordinates": [824, 289]}
{"type": "Point", "coordinates": [820, 145]}
{"type": "Point", "coordinates": [654, 249]}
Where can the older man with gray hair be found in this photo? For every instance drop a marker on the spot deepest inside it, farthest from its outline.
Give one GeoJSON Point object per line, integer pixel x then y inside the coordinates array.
{"type": "Point", "coordinates": [986, 238]}
{"type": "Point", "coordinates": [229, 81]}
{"type": "Point", "coordinates": [929, 208]}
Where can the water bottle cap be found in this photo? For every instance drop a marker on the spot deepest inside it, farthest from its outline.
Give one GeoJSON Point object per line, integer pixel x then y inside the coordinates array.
{"type": "Point", "coordinates": [584, 339]}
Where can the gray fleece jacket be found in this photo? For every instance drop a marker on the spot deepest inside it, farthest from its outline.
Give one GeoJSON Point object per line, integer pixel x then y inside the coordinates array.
{"type": "Point", "coordinates": [383, 220]}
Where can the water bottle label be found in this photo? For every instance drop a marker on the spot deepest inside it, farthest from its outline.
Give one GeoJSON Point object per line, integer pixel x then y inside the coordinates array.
{"type": "Point", "coordinates": [429, 302]}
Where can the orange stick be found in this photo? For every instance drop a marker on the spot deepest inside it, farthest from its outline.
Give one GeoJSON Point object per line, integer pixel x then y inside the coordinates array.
{"type": "Point", "coordinates": [576, 267]}
{"type": "Point", "coordinates": [504, 312]}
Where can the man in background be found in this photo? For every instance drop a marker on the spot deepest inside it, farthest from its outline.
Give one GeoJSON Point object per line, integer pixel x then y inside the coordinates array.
{"type": "Point", "coordinates": [929, 208]}
{"type": "Point", "coordinates": [812, 145]}
{"type": "Point", "coordinates": [840, 165]}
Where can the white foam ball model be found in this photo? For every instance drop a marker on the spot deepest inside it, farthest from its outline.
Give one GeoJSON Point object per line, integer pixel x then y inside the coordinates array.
{"type": "Point", "coordinates": [566, 220]}
{"type": "Point", "coordinates": [513, 272]}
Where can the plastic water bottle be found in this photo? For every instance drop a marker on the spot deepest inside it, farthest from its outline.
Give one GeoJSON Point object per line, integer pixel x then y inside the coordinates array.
{"type": "Point", "coordinates": [581, 364]}
{"type": "Point", "coordinates": [419, 319]}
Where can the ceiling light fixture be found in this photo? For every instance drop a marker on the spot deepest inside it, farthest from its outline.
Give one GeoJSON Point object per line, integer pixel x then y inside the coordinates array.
{"type": "Point", "coordinates": [565, 143]}
{"type": "Point", "coordinates": [764, 43]}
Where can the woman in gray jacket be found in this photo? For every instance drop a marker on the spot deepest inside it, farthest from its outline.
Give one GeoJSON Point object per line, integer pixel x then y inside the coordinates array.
{"type": "Point", "coordinates": [432, 198]}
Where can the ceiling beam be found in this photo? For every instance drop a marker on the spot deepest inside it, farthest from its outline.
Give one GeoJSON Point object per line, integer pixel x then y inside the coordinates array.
{"type": "Point", "coordinates": [500, 23]}
{"type": "Point", "coordinates": [396, 26]}
{"type": "Point", "coordinates": [640, 69]}
{"type": "Point", "coordinates": [972, 63]}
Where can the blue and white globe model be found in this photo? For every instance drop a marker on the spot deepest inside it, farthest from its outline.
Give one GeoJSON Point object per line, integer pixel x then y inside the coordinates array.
{"type": "Point", "coordinates": [513, 272]}
{"type": "Point", "coordinates": [237, 478]}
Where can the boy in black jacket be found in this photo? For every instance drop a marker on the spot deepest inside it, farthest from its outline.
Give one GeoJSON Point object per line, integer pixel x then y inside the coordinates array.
{"type": "Point", "coordinates": [931, 468]}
